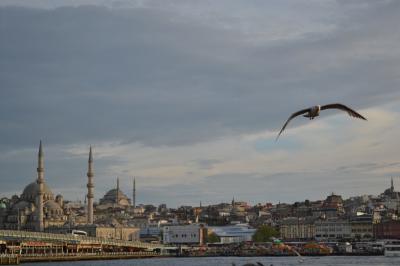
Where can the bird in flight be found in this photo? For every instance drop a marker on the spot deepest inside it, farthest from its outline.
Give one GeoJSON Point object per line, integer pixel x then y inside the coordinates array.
{"type": "Point", "coordinates": [314, 111]}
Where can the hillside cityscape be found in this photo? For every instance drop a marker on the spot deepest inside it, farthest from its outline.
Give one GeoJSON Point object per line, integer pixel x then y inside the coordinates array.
{"type": "Point", "coordinates": [116, 216]}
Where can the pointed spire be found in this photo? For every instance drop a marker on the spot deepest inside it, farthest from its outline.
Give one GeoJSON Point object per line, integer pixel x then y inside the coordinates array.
{"type": "Point", "coordinates": [40, 148]}
{"type": "Point", "coordinates": [134, 193]}
{"type": "Point", "coordinates": [90, 155]}
{"type": "Point", "coordinates": [117, 183]}
{"type": "Point", "coordinates": [391, 185]}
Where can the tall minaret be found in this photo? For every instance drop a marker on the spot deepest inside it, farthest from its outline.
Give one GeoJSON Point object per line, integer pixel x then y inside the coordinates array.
{"type": "Point", "coordinates": [134, 193]}
{"type": "Point", "coordinates": [39, 198]}
{"type": "Point", "coordinates": [90, 186]}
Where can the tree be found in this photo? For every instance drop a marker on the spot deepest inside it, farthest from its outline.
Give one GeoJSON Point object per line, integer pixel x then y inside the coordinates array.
{"type": "Point", "coordinates": [264, 233]}
{"type": "Point", "coordinates": [213, 238]}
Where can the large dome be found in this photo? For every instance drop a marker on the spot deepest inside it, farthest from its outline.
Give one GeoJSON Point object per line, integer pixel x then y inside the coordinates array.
{"type": "Point", "coordinates": [31, 191]}
{"type": "Point", "coordinates": [115, 196]}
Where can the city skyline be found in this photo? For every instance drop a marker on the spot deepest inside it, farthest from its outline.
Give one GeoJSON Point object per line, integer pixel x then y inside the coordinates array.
{"type": "Point", "coordinates": [188, 98]}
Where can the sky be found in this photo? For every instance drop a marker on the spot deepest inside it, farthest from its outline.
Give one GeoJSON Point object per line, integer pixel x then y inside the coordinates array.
{"type": "Point", "coordinates": [188, 97]}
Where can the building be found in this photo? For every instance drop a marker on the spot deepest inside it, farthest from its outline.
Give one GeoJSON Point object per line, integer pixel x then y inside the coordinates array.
{"type": "Point", "coordinates": [102, 231]}
{"type": "Point", "coordinates": [193, 234]}
{"type": "Point", "coordinates": [332, 229]}
{"type": "Point", "coordinates": [387, 230]}
{"type": "Point", "coordinates": [294, 228]}
{"type": "Point", "coordinates": [332, 206]}
{"type": "Point", "coordinates": [114, 198]}
{"type": "Point", "coordinates": [361, 227]}
{"type": "Point", "coordinates": [233, 233]}
{"type": "Point", "coordinates": [36, 208]}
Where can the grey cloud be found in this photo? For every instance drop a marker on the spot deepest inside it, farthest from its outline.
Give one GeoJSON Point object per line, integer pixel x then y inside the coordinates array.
{"type": "Point", "coordinates": [87, 74]}
{"type": "Point", "coordinates": [206, 164]}
{"type": "Point", "coordinates": [367, 166]}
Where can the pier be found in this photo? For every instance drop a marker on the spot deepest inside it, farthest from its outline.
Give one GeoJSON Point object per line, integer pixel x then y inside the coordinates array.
{"type": "Point", "coordinates": [24, 246]}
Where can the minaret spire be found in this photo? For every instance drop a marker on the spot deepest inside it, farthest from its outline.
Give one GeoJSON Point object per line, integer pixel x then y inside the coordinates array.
{"type": "Point", "coordinates": [40, 182]}
{"type": "Point", "coordinates": [90, 186]}
{"type": "Point", "coordinates": [391, 185]}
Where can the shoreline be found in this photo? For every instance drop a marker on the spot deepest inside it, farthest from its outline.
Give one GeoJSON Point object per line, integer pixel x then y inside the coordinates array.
{"type": "Point", "coordinates": [25, 259]}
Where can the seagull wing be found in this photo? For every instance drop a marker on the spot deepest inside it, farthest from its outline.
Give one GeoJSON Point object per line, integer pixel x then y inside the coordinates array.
{"type": "Point", "coordinates": [290, 118]}
{"type": "Point", "coordinates": [342, 107]}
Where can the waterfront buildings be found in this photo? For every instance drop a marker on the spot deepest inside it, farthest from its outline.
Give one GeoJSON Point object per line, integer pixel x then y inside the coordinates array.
{"type": "Point", "coordinates": [185, 234]}
{"type": "Point", "coordinates": [115, 216]}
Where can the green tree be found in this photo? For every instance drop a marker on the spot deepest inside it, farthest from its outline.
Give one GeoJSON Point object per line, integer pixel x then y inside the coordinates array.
{"type": "Point", "coordinates": [213, 238]}
{"type": "Point", "coordinates": [264, 233]}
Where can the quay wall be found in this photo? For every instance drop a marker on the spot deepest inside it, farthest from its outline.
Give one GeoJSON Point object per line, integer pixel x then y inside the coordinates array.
{"type": "Point", "coordinates": [86, 256]}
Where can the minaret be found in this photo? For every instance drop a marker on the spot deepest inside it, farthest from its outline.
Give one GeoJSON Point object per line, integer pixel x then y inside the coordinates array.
{"type": "Point", "coordinates": [40, 182]}
{"type": "Point", "coordinates": [90, 186]}
{"type": "Point", "coordinates": [134, 194]}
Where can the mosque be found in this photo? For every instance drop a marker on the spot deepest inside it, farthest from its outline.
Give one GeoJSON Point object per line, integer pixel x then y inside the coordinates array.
{"type": "Point", "coordinates": [37, 209]}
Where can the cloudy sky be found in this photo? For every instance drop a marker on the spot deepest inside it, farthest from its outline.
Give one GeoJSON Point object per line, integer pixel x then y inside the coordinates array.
{"type": "Point", "coordinates": [188, 96]}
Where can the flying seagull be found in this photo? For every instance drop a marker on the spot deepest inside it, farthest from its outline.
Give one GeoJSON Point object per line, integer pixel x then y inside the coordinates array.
{"type": "Point", "coordinates": [314, 111]}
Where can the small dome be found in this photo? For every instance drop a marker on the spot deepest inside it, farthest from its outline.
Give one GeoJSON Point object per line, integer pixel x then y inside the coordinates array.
{"type": "Point", "coordinates": [51, 208]}
{"type": "Point", "coordinates": [31, 191]}
{"type": "Point", "coordinates": [3, 205]}
{"type": "Point", "coordinates": [52, 205]}
{"type": "Point", "coordinates": [21, 205]}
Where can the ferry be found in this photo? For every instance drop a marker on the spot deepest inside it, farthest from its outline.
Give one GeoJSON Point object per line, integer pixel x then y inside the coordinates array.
{"type": "Point", "coordinates": [392, 248]}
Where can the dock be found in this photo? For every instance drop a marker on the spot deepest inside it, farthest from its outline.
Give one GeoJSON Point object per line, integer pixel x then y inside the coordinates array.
{"type": "Point", "coordinates": [9, 259]}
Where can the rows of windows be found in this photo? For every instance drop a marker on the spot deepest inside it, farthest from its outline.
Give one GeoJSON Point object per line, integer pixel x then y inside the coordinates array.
{"type": "Point", "coordinates": [184, 236]}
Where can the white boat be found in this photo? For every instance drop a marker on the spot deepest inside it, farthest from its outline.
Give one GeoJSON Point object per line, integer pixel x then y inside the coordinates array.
{"type": "Point", "coordinates": [392, 248]}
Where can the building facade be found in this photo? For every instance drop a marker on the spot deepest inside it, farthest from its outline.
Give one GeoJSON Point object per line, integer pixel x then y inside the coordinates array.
{"type": "Point", "coordinates": [184, 234]}
{"type": "Point", "coordinates": [332, 229]}
{"type": "Point", "coordinates": [294, 228]}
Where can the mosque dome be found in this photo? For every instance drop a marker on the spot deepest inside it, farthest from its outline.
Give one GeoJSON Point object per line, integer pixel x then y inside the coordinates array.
{"type": "Point", "coordinates": [31, 191]}
{"type": "Point", "coordinates": [115, 196]}
{"type": "Point", "coordinates": [3, 205]}
{"type": "Point", "coordinates": [20, 206]}
{"type": "Point", "coordinates": [51, 207]}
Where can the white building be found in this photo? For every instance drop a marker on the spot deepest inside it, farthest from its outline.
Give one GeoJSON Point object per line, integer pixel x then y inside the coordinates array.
{"type": "Point", "coordinates": [332, 229]}
{"type": "Point", "coordinates": [184, 234]}
{"type": "Point", "coordinates": [233, 234]}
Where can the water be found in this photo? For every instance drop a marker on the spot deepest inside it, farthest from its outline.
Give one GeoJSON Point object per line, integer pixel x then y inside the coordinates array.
{"type": "Point", "coordinates": [238, 261]}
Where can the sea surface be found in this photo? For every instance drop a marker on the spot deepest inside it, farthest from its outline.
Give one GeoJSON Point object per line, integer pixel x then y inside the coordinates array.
{"type": "Point", "coordinates": [238, 261]}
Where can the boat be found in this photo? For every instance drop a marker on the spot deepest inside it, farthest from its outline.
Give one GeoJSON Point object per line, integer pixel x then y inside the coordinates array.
{"type": "Point", "coordinates": [392, 248]}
